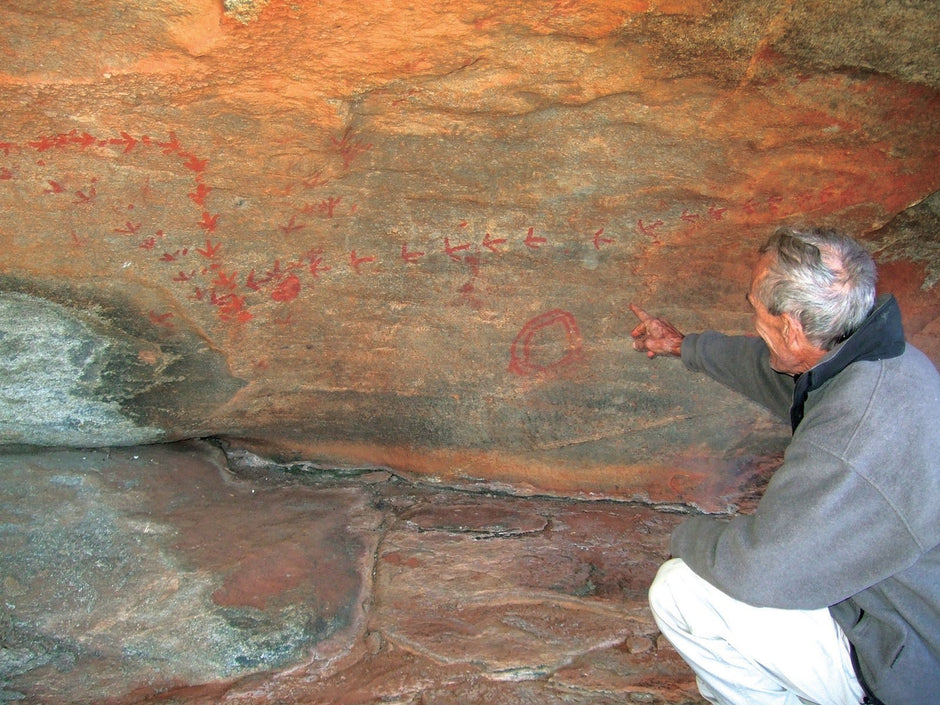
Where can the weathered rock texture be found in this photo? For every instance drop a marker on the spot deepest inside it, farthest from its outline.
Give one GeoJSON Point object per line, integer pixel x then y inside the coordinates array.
{"type": "Point", "coordinates": [157, 575]}
{"type": "Point", "coordinates": [405, 234]}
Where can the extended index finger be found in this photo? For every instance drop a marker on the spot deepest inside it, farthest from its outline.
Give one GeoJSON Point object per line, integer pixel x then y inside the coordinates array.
{"type": "Point", "coordinates": [640, 313]}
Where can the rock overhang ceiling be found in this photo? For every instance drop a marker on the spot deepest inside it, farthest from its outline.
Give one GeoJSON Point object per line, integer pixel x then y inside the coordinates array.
{"type": "Point", "coordinates": [405, 234]}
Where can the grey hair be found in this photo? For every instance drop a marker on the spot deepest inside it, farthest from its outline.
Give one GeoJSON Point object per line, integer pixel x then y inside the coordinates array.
{"type": "Point", "coordinates": [821, 277]}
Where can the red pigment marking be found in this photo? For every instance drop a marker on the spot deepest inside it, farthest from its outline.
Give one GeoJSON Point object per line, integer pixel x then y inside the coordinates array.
{"type": "Point", "coordinates": [649, 229]}
{"type": "Point", "coordinates": [598, 239]}
{"type": "Point", "coordinates": [396, 558]}
{"type": "Point", "coordinates": [410, 256]}
{"type": "Point", "coordinates": [173, 256]}
{"type": "Point", "coordinates": [129, 228]}
{"type": "Point", "coordinates": [291, 226]}
{"type": "Point", "coordinates": [451, 250]}
{"type": "Point", "coordinates": [328, 205]}
{"type": "Point", "coordinates": [171, 147]}
{"type": "Point", "coordinates": [231, 307]}
{"type": "Point", "coordinates": [716, 213]}
{"type": "Point", "coordinates": [126, 140]}
{"type": "Point", "coordinates": [355, 261]}
{"type": "Point", "coordinates": [533, 242]}
{"type": "Point", "coordinates": [226, 281]}
{"type": "Point", "coordinates": [314, 181]}
{"type": "Point", "coordinates": [210, 250]}
{"type": "Point", "coordinates": [209, 222]}
{"type": "Point", "coordinates": [681, 484]}
{"type": "Point", "coordinates": [161, 319]}
{"type": "Point", "coordinates": [82, 197]}
{"type": "Point", "coordinates": [490, 242]}
{"type": "Point", "coordinates": [194, 163]}
{"type": "Point", "coordinates": [520, 356]}
{"type": "Point", "coordinates": [316, 264]}
{"type": "Point", "coordinates": [350, 148]}
{"type": "Point", "coordinates": [287, 290]}
{"type": "Point", "coordinates": [199, 195]}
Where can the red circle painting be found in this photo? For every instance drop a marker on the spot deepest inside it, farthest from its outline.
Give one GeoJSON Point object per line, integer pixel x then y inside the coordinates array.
{"type": "Point", "coordinates": [526, 360]}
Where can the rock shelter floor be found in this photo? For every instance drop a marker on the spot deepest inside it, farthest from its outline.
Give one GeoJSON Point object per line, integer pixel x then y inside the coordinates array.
{"type": "Point", "coordinates": [169, 574]}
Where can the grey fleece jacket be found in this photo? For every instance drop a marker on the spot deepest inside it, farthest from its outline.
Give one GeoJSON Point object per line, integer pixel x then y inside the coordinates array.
{"type": "Point", "coordinates": [851, 519]}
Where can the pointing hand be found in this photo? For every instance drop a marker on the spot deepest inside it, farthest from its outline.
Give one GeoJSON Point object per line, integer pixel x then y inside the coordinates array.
{"type": "Point", "coordinates": [655, 336]}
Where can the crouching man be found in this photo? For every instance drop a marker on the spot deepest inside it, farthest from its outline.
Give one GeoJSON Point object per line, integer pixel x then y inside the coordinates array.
{"type": "Point", "coordinates": [829, 592]}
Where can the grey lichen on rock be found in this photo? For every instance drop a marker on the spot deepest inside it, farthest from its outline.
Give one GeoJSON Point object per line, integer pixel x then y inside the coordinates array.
{"type": "Point", "coordinates": [52, 389]}
{"type": "Point", "coordinates": [244, 10]}
{"type": "Point", "coordinates": [81, 370]}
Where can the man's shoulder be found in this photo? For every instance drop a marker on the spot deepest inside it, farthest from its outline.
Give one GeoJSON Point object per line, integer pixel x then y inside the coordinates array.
{"type": "Point", "coordinates": [911, 370]}
{"type": "Point", "coordinates": [876, 399]}
{"type": "Point", "coordinates": [877, 392]}
{"type": "Point", "coordinates": [915, 362]}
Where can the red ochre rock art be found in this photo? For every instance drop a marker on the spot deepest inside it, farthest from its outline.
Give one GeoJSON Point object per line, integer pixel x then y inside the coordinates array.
{"type": "Point", "coordinates": [525, 357]}
{"type": "Point", "coordinates": [206, 278]}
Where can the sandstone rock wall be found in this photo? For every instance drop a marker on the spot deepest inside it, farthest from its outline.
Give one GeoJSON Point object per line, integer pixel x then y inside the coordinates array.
{"type": "Point", "coordinates": [405, 234]}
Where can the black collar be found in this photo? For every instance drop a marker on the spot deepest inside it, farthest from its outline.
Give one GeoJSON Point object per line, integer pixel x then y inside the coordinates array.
{"type": "Point", "coordinates": [880, 337]}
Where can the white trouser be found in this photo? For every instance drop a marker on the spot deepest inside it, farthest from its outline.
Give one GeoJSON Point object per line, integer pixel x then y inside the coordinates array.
{"type": "Point", "coordinates": [744, 655]}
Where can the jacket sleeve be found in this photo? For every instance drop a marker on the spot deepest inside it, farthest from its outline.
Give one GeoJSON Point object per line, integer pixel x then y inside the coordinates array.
{"type": "Point", "coordinates": [741, 363]}
{"type": "Point", "coordinates": [810, 543]}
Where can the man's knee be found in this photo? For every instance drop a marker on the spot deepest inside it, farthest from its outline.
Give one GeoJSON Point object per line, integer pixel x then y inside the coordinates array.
{"type": "Point", "coordinates": [664, 593]}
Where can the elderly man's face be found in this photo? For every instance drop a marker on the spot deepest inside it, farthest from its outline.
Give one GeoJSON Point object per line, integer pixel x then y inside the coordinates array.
{"type": "Point", "coordinates": [773, 329]}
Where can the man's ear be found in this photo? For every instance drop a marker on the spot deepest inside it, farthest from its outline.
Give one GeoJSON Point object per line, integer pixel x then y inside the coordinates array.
{"type": "Point", "coordinates": [793, 332]}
